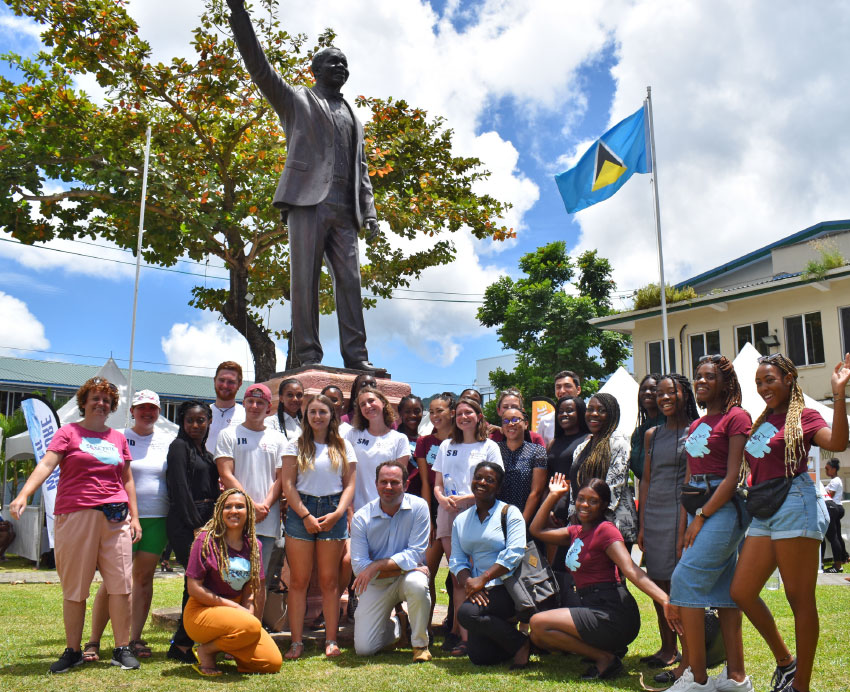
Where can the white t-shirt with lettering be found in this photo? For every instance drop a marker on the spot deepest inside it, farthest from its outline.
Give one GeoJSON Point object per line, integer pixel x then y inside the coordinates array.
{"type": "Point", "coordinates": [257, 456]}
{"type": "Point", "coordinates": [150, 453]}
{"type": "Point", "coordinates": [458, 461]}
{"type": "Point", "coordinates": [371, 451]}
{"type": "Point", "coordinates": [321, 480]}
{"type": "Point", "coordinates": [223, 418]}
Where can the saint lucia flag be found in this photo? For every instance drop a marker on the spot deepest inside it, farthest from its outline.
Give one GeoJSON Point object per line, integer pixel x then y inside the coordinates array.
{"type": "Point", "coordinates": [608, 164]}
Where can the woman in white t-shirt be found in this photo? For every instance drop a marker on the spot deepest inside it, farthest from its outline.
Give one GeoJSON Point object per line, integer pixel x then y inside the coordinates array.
{"type": "Point", "coordinates": [318, 482]}
{"type": "Point", "coordinates": [149, 449]}
{"type": "Point", "coordinates": [833, 495]}
{"type": "Point", "coordinates": [457, 458]}
{"type": "Point", "coordinates": [374, 441]}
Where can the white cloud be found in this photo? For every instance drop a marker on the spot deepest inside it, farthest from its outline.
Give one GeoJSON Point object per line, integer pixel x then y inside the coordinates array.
{"type": "Point", "coordinates": [205, 344]}
{"type": "Point", "coordinates": [22, 330]}
{"type": "Point", "coordinates": [749, 103]}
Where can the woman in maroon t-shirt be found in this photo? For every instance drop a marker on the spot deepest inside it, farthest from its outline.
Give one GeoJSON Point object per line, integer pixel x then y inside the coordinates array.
{"type": "Point", "coordinates": [608, 619]}
{"type": "Point", "coordinates": [789, 539]}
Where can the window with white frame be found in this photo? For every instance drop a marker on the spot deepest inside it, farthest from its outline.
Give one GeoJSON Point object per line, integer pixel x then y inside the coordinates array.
{"type": "Point", "coordinates": [753, 334]}
{"type": "Point", "coordinates": [844, 323]}
{"type": "Point", "coordinates": [704, 344]}
{"type": "Point", "coordinates": [654, 356]}
{"type": "Point", "coordinates": [804, 339]}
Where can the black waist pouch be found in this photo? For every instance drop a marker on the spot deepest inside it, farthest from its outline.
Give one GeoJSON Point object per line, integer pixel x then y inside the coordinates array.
{"type": "Point", "coordinates": [765, 499]}
{"type": "Point", "coordinates": [116, 512]}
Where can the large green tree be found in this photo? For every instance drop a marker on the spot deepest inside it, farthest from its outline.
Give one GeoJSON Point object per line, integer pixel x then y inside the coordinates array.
{"type": "Point", "coordinates": [540, 318]}
{"type": "Point", "coordinates": [217, 151]}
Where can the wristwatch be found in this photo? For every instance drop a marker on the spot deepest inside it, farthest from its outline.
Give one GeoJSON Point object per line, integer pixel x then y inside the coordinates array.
{"type": "Point", "coordinates": [700, 513]}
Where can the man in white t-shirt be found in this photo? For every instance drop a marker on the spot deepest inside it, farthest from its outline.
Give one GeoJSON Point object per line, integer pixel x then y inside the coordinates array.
{"type": "Point", "coordinates": [567, 383]}
{"type": "Point", "coordinates": [225, 410]}
{"type": "Point", "coordinates": [249, 457]}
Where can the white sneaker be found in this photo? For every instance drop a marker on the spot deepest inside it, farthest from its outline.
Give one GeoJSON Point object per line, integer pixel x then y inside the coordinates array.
{"type": "Point", "coordinates": [723, 683]}
{"type": "Point", "coordinates": [686, 683]}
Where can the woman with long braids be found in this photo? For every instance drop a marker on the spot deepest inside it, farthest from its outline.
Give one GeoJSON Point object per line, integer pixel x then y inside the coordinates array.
{"type": "Point", "coordinates": [715, 529]}
{"type": "Point", "coordinates": [225, 574]}
{"type": "Point", "coordinates": [605, 454]}
{"type": "Point", "coordinates": [648, 417]}
{"type": "Point", "coordinates": [664, 467]}
{"type": "Point", "coordinates": [287, 418]}
{"type": "Point", "coordinates": [789, 539]}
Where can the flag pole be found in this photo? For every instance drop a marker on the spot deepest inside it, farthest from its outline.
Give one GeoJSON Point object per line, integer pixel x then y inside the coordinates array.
{"type": "Point", "coordinates": [138, 267]}
{"type": "Point", "coordinates": [665, 352]}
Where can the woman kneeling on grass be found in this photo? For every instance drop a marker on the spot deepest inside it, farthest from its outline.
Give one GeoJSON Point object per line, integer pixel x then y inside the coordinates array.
{"type": "Point", "coordinates": [224, 575]}
{"type": "Point", "coordinates": [608, 619]}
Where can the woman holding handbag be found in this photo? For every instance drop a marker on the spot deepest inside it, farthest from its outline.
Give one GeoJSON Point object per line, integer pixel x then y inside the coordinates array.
{"type": "Point", "coordinates": [790, 516]}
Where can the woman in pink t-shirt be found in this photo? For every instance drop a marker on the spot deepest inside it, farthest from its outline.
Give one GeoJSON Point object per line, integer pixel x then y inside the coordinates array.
{"type": "Point", "coordinates": [96, 519]}
{"type": "Point", "coordinates": [790, 538]}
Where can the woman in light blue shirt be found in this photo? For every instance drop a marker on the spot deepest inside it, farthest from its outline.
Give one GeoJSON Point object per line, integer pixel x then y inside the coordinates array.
{"type": "Point", "coordinates": [482, 553]}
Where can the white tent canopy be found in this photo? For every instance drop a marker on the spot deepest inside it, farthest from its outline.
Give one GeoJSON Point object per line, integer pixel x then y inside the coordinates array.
{"type": "Point", "coordinates": [624, 388]}
{"type": "Point", "coordinates": [20, 446]}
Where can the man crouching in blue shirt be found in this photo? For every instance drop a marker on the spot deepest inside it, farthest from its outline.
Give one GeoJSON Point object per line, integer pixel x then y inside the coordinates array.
{"type": "Point", "coordinates": [388, 541]}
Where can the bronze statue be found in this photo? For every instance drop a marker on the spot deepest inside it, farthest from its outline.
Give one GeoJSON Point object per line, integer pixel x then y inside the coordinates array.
{"type": "Point", "coordinates": [324, 193]}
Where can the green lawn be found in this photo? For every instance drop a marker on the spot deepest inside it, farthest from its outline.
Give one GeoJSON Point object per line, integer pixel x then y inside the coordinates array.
{"type": "Point", "coordinates": [31, 638]}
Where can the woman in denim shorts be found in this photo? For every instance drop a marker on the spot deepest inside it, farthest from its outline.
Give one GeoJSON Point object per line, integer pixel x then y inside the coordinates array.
{"type": "Point", "coordinates": [318, 482]}
{"type": "Point", "coordinates": [789, 539]}
{"type": "Point", "coordinates": [703, 575]}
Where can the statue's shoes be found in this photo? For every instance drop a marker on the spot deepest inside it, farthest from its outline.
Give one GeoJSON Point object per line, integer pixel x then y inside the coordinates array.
{"type": "Point", "coordinates": [365, 366]}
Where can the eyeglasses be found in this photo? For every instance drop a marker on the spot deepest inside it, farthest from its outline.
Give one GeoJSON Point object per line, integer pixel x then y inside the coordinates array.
{"type": "Point", "coordinates": [515, 419]}
{"type": "Point", "coordinates": [101, 380]}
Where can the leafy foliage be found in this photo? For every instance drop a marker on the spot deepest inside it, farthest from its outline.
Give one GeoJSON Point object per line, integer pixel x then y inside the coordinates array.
{"type": "Point", "coordinates": [547, 327]}
{"type": "Point", "coordinates": [649, 296]}
{"type": "Point", "coordinates": [830, 258]}
{"type": "Point", "coordinates": [217, 151]}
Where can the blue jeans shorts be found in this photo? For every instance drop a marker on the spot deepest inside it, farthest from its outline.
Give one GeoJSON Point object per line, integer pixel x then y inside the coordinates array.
{"type": "Point", "coordinates": [318, 506]}
{"type": "Point", "coordinates": [802, 515]}
{"type": "Point", "coordinates": [704, 574]}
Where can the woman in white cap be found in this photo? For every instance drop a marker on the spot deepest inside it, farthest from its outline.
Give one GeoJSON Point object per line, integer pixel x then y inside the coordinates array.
{"type": "Point", "coordinates": [149, 448]}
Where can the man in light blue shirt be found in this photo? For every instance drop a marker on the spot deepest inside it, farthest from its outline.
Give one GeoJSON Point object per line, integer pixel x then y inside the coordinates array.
{"type": "Point", "coordinates": [389, 537]}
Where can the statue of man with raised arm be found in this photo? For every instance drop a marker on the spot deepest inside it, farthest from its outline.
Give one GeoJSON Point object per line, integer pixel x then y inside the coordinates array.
{"type": "Point", "coordinates": [324, 193]}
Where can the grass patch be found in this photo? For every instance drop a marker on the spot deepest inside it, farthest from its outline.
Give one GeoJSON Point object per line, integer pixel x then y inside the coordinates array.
{"type": "Point", "coordinates": [31, 638]}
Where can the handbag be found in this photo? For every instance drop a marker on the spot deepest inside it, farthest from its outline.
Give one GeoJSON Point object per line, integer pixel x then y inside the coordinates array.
{"type": "Point", "coordinates": [715, 648]}
{"type": "Point", "coordinates": [532, 585]}
{"type": "Point", "coordinates": [765, 499]}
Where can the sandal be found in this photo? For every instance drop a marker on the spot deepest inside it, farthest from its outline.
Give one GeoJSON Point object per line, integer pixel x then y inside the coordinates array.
{"type": "Point", "coordinates": [91, 652]}
{"type": "Point", "coordinates": [206, 671]}
{"type": "Point", "coordinates": [331, 649]}
{"type": "Point", "coordinates": [295, 651]}
{"type": "Point", "coordinates": [140, 649]}
{"type": "Point", "coordinates": [461, 649]}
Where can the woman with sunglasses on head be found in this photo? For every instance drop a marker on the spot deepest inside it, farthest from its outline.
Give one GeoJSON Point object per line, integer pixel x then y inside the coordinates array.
{"type": "Point", "coordinates": [191, 478]}
{"type": "Point", "coordinates": [96, 520]}
{"type": "Point", "coordinates": [457, 457]}
{"type": "Point", "coordinates": [605, 454]}
{"type": "Point", "coordinates": [525, 465]}
{"type": "Point", "coordinates": [648, 417]}
{"type": "Point", "coordinates": [787, 536]}
{"type": "Point", "coordinates": [665, 467]}
{"type": "Point", "coordinates": [716, 524]}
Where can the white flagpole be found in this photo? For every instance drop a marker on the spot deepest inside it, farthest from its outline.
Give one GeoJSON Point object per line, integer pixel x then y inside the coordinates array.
{"type": "Point", "coordinates": [138, 267]}
{"type": "Point", "coordinates": [665, 353]}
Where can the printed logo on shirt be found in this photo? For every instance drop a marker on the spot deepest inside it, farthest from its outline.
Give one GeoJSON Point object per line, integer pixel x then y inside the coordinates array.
{"type": "Point", "coordinates": [431, 457]}
{"type": "Point", "coordinates": [757, 446]}
{"type": "Point", "coordinates": [102, 450]}
{"type": "Point", "coordinates": [451, 452]}
{"type": "Point", "coordinates": [571, 561]}
{"type": "Point", "coordinates": [696, 445]}
{"type": "Point", "coordinates": [363, 441]}
{"type": "Point", "coordinates": [241, 440]}
{"type": "Point", "coordinates": [239, 572]}
{"type": "Point", "coordinates": [132, 443]}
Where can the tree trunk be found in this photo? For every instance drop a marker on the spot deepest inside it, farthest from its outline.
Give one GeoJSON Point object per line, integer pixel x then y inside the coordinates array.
{"type": "Point", "coordinates": [235, 313]}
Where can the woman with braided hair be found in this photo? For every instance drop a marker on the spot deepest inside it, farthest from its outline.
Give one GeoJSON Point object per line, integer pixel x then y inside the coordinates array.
{"type": "Point", "coordinates": [665, 464]}
{"type": "Point", "coordinates": [790, 538]}
{"type": "Point", "coordinates": [224, 575]}
{"type": "Point", "coordinates": [716, 524]}
{"type": "Point", "coordinates": [605, 455]}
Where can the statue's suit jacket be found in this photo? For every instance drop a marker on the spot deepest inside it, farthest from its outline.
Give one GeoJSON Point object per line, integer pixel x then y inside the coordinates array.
{"type": "Point", "coordinates": [309, 130]}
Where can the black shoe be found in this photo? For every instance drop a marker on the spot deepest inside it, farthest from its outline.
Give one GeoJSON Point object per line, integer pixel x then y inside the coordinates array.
{"type": "Point", "coordinates": [353, 600]}
{"type": "Point", "coordinates": [124, 659]}
{"type": "Point", "coordinates": [451, 641]}
{"type": "Point", "coordinates": [833, 570]}
{"type": "Point", "coordinates": [69, 659]}
{"type": "Point", "coordinates": [782, 677]}
{"type": "Point", "coordinates": [666, 677]}
{"type": "Point", "coordinates": [365, 366]}
{"type": "Point", "coordinates": [612, 671]}
{"type": "Point", "coordinates": [175, 653]}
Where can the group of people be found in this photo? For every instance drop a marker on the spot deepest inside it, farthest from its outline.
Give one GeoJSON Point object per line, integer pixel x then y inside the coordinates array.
{"type": "Point", "coordinates": [375, 506]}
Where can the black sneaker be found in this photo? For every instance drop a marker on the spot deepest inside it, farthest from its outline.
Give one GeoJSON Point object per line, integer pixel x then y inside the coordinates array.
{"type": "Point", "coordinates": [124, 659]}
{"type": "Point", "coordinates": [782, 677]}
{"type": "Point", "coordinates": [69, 659]}
{"type": "Point", "coordinates": [175, 653]}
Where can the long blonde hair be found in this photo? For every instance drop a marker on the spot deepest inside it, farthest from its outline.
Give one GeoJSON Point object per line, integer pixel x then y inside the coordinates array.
{"type": "Point", "coordinates": [215, 540]}
{"type": "Point", "coordinates": [795, 447]}
{"type": "Point", "coordinates": [307, 441]}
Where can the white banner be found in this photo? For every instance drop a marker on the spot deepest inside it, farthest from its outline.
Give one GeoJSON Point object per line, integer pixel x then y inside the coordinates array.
{"type": "Point", "coordinates": [42, 424]}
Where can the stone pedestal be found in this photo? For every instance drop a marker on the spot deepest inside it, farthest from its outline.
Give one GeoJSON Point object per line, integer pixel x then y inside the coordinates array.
{"type": "Point", "coordinates": [316, 377]}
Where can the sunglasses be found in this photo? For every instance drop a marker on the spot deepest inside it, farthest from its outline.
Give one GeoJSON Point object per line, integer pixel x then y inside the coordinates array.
{"type": "Point", "coordinates": [515, 419]}
{"type": "Point", "coordinates": [772, 358]}
{"type": "Point", "coordinates": [101, 380]}
{"type": "Point", "coordinates": [710, 359]}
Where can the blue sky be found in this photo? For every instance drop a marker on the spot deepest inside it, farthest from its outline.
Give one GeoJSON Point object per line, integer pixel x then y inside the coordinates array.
{"type": "Point", "coordinates": [749, 114]}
